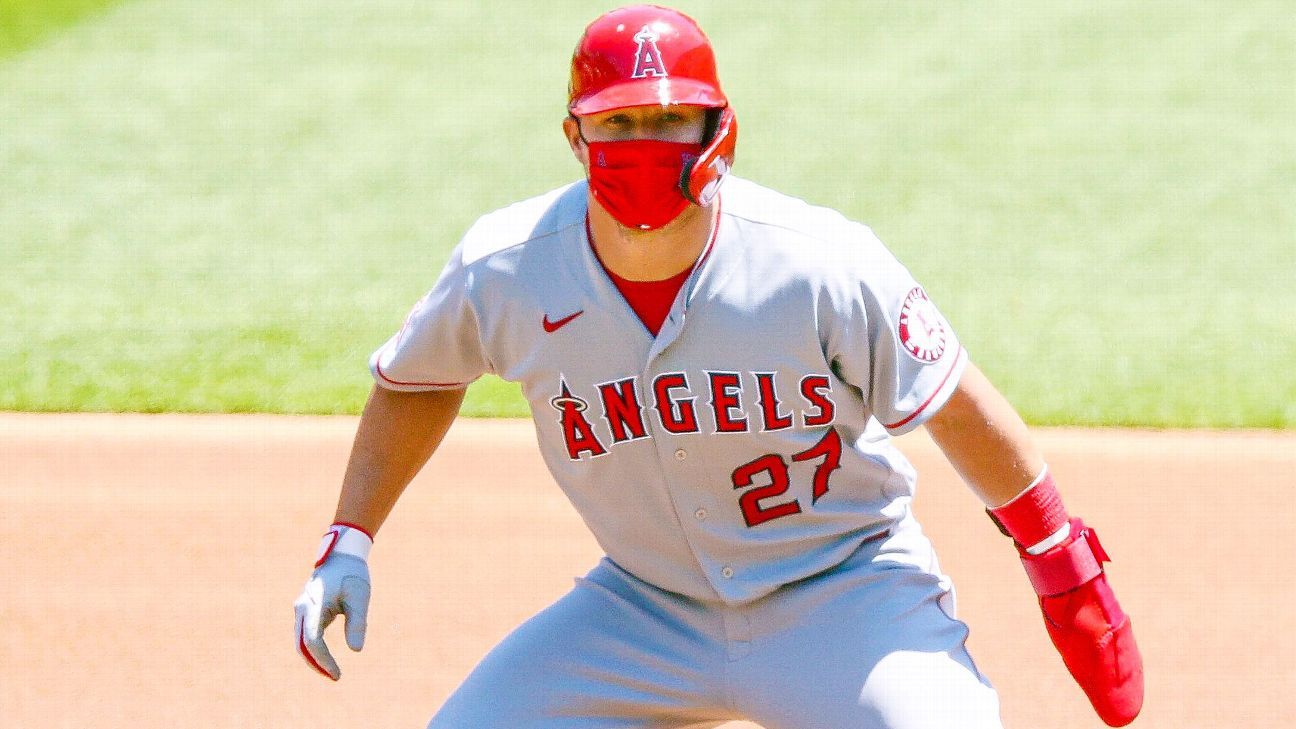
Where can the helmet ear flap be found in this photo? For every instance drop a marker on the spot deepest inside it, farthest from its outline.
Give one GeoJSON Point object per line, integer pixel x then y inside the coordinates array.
{"type": "Point", "coordinates": [701, 178]}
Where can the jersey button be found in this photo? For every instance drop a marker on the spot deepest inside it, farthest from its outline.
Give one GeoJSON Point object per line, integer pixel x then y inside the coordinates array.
{"type": "Point", "coordinates": [681, 454]}
{"type": "Point", "coordinates": [726, 572]}
{"type": "Point", "coordinates": [700, 514]}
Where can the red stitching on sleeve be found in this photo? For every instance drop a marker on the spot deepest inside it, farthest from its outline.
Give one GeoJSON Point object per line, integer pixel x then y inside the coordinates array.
{"type": "Point", "coordinates": [378, 368]}
{"type": "Point", "coordinates": [923, 407]}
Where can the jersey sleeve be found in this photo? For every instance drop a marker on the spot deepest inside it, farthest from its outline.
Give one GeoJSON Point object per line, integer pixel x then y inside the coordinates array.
{"type": "Point", "coordinates": [890, 341]}
{"type": "Point", "coordinates": [439, 347]}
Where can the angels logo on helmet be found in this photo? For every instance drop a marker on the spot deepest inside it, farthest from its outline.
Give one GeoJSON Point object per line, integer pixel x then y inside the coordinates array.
{"type": "Point", "coordinates": [648, 59]}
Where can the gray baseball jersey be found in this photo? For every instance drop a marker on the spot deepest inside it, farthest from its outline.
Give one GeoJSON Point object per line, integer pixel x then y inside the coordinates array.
{"type": "Point", "coordinates": [746, 445]}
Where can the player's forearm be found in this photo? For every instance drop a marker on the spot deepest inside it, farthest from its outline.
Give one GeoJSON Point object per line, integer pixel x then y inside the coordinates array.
{"type": "Point", "coordinates": [397, 434]}
{"type": "Point", "coordinates": [985, 440]}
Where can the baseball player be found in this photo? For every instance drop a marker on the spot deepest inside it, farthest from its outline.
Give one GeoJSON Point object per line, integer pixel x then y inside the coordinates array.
{"type": "Point", "coordinates": [714, 369]}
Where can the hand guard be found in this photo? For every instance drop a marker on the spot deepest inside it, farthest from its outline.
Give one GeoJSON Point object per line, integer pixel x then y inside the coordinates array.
{"type": "Point", "coordinates": [338, 586]}
{"type": "Point", "coordinates": [1086, 624]}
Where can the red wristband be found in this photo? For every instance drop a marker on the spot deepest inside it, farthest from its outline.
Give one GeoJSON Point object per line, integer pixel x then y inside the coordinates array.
{"type": "Point", "coordinates": [1033, 515]}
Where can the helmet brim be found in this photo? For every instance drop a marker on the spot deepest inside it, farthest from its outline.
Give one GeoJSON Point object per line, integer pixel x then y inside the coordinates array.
{"type": "Point", "coordinates": [663, 91]}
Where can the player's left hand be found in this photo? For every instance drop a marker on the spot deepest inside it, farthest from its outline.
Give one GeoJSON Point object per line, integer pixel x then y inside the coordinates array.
{"type": "Point", "coordinates": [1087, 625]}
{"type": "Point", "coordinates": [338, 586]}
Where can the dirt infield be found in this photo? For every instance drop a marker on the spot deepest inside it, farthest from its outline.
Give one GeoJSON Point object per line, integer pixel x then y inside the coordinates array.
{"type": "Point", "coordinates": [151, 563]}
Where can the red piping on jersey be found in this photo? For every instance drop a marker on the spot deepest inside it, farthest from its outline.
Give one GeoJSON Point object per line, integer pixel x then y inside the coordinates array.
{"type": "Point", "coordinates": [706, 253]}
{"type": "Point", "coordinates": [378, 368]}
{"type": "Point", "coordinates": [652, 301]}
{"type": "Point", "coordinates": [715, 233]}
{"type": "Point", "coordinates": [923, 407]}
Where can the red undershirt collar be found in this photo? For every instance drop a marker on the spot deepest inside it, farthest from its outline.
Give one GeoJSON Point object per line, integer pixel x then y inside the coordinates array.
{"type": "Point", "coordinates": [651, 300]}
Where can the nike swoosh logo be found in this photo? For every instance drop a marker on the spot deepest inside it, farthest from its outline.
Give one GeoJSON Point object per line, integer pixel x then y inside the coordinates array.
{"type": "Point", "coordinates": [553, 326]}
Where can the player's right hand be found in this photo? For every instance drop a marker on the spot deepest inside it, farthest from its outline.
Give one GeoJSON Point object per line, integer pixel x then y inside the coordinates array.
{"type": "Point", "coordinates": [338, 586]}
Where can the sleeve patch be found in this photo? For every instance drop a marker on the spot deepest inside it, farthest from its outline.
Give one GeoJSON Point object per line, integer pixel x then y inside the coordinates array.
{"type": "Point", "coordinates": [922, 330]}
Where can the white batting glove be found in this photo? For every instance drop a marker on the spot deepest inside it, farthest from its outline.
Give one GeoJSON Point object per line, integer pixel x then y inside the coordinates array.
{"type": "Point", "coordinates": [338, 586]}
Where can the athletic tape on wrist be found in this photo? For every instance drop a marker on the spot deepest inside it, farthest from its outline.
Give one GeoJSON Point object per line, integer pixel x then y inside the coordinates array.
{"type": "Point", "coordinates": [344, 539]}
{"type": "Point", "coordinates": [1049, 542]}
{"type": "Point", "coordinates": [1036, 517]}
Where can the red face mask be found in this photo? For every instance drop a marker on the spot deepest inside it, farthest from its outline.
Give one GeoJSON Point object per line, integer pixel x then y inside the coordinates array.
{"type": "Point", "coordinates": [638, 181]}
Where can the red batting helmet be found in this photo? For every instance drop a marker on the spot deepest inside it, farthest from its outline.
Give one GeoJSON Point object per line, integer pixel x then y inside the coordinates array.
{"type": "Point", "coordinates": [643, 55]}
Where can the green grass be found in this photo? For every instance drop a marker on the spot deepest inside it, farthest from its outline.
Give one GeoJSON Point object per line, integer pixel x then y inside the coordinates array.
{"type": "Point", "coordinates": [24, 23]}
{"type": "Point", "coordinates": [227, 211]}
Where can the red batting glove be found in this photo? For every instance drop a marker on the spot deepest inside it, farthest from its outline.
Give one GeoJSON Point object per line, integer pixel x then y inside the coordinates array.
{"type": "Point", "coordinates": [1086, 623]}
